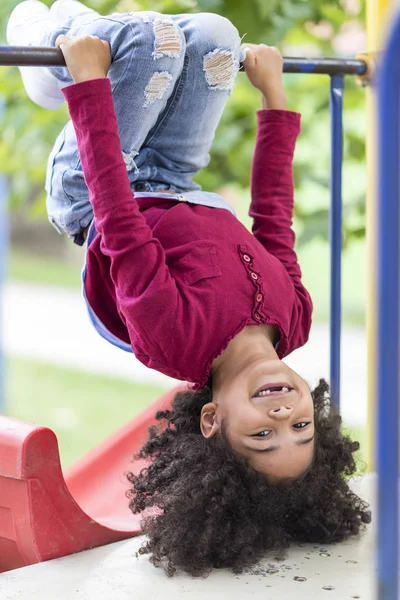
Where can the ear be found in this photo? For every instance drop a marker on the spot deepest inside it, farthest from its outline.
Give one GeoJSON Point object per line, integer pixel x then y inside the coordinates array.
{"type": "Point", "coordinates": [209, 423]}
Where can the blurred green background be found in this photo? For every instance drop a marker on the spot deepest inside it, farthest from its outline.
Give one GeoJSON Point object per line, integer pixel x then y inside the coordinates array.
{"type": "Point", "coordinates": [299, 28]}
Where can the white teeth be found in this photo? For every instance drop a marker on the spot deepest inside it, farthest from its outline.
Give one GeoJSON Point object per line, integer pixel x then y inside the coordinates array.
{"type": "Point", "coordinates": [284, 390]}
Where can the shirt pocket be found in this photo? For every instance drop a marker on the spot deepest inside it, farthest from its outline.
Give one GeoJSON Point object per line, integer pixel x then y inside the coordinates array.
{"type": "Point", "coordinates": [199, 262]}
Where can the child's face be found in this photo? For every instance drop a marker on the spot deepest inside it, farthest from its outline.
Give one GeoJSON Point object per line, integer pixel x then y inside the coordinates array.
{"type": "Point", "coordinates": [274, 428]}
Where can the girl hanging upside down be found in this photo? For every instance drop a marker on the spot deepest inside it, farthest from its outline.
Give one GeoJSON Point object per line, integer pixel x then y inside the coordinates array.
{"type": "Point", "coordinates": [248, 459]}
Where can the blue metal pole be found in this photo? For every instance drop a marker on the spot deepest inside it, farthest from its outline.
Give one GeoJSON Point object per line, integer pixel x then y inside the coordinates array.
{"type": "Point", "coordinates": [388, 317]}
{"type": "Point", "coordinates": [335, 234]}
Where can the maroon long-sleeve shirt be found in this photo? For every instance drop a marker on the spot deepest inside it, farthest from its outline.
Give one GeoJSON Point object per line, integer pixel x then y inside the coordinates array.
{"type": "Point", "coordinates": [178, 281]}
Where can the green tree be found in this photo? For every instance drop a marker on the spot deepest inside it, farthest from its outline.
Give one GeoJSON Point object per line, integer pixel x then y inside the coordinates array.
{"type": "Point", "coordinates": [28, 132]}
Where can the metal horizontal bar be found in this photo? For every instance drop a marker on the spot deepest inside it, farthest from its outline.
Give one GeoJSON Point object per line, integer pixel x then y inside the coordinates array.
{"type": "Point", "coordinates": [325, 66]}
{"type": "Point", "coordinates": [29, 56]}
{"type": "Point", "coordinates": [45, 57]}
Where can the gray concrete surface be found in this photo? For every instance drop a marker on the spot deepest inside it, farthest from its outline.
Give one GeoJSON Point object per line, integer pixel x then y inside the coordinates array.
{"type": "Point", "coordinates": [113, 572]}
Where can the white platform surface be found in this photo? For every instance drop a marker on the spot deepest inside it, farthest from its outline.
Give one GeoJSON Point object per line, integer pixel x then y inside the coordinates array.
{"type": "Point", "coordinates": [113, 572]}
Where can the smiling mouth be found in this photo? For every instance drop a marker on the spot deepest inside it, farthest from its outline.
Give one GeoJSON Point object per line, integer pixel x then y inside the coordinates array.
{"type": "Point", "coordinates": [274, 390]}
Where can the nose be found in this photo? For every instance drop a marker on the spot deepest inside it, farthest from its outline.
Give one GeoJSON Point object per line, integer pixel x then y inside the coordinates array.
{"type": "Point", "coordinates": [280, 413]}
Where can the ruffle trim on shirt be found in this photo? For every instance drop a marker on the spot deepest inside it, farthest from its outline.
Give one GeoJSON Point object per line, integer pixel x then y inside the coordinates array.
{"type": "Point", "coordinates": [255, 278]}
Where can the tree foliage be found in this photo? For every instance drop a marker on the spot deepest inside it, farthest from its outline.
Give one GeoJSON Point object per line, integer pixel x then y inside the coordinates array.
{"type": "Point", "coordinates": [28, 131]}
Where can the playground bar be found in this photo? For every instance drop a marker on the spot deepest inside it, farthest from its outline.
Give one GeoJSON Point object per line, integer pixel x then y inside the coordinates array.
{"type": "Point", "coordinates": [388, 281]}
{"type": "Point", "coordinates": [335, 225]}
{"type": "Point", "coordinates": [325, 66]}
{"type": "Point", "coordinates": [31, 56]}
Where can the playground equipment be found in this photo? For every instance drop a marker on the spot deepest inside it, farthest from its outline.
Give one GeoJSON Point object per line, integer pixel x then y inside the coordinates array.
{"type": "Point", "coordinates": [388, 362]}
{"type": "Point", "coordinates": [337, 70]}
{"type": "Point", "coordinates": [388, 318]}
{"type": "Point", "coordinates": [43, 515]}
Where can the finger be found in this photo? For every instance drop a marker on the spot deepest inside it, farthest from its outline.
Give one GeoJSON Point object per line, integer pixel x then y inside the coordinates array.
{"type": "Point", "coordinates": [250, 60]}
{"type": "Point", "coordinates": [251, 46]}
{"type": "Point", "coordinates": [62, 39]}
{"type": "Point", "coordinates": [275, 50]}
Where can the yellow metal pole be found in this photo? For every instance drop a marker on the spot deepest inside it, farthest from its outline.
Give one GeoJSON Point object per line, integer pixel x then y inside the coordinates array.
{"type": "Point", "coordinates": [377, 14]}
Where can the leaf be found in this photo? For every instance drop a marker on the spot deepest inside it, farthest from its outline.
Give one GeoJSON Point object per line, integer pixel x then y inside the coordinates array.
{"type": "Point", "coordinates": [266, 8]}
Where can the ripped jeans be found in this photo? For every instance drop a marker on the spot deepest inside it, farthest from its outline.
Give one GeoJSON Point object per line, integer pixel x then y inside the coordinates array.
{"type": "Point", "coordinates": [171, 77]}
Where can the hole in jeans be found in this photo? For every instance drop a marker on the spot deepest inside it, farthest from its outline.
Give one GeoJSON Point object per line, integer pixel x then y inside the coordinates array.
{"type": "Point", "coordinates": [129, 159]}
{"type": "Point", "coordinates": [168, 39]}
{"type": "Point", "coordinates": [221, 68]}
{"type": "Point", "coordinates": [157, 87]}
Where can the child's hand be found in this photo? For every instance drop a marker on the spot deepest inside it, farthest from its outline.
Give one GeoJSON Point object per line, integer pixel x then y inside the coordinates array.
{"type": "Point", "coordinates": [264, 66]}
{"type": "Point", "coordinates": [87, 58]}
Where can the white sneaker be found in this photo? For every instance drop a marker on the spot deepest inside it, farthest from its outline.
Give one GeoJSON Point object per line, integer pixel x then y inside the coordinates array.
{"type": "Point", "coordinates": [27, 25]}
{"type": "Point", "coordinates": [62, 10]}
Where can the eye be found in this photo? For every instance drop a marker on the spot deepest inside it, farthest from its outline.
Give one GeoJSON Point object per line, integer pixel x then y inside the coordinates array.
{"type": "Point", "coordinates": [262, 434]}
{"type": "Point", "coordinates": [301, 425]}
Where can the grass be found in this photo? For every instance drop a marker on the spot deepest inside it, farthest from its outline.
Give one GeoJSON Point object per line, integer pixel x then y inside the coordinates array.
{"type": "Point", "coordinates": [31, 268]}
{"type": "Point", "coordinates": [82, 408]}
{"type": "Point", "coordinates": [314, 261]}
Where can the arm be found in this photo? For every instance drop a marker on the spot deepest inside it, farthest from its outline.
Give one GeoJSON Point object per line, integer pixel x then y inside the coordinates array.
{"type": "Point", "coordinates": [138, 268]}
{"type": "Point", "coordinates": [272, 206]}
{"type": "Point", "coordinates": [272, 189]}
{"type": "Point", "coordinates": [272, 181]}
{"type": "Point", "coordinates": [272, 185]}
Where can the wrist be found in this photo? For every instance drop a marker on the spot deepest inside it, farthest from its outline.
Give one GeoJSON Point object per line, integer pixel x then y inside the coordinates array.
{"type": "Point", "coordinates": [274, 100]}
{"type": "Point", "coordinates": [80, 77]}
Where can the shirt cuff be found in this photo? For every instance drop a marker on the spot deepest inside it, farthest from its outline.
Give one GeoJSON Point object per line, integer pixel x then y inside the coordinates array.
{"type": "Point", "coordinates": [86, 88]}
{"type": "Point", "coordinates": [279, 116]}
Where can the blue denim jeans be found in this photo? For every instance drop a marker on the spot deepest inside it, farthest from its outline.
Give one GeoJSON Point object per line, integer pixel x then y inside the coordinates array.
{"type": "Point", "coordinates": [171, 77]}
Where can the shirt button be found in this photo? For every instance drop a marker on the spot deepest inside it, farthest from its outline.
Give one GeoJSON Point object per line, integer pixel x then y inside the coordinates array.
{"type": "Point", "coordinates": [246, 257]}
{"type": "Point", "coordinates": [259, 297]}
{"type": "Point", "coordinates": [254, 276]}
{"type": "Point", "coordinates": [258, 316]}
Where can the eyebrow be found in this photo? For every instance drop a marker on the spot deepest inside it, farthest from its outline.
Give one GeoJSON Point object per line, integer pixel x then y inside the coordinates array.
{"type": "Point", "coordinates": [273, 448]}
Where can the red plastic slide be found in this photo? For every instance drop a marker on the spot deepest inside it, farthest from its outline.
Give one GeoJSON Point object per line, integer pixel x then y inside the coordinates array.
{"type": "Point", "coordinates": [43, 515]}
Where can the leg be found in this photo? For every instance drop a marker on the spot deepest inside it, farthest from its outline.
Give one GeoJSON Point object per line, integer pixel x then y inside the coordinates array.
{"type": "Point", "coordinates": [211, 64]}
{"type": "Point", "coordinates": [146, 66]}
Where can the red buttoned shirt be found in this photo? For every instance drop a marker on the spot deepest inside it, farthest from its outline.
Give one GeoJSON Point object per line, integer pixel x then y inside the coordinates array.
{"type": "Point", "coordinates": [178, 281]}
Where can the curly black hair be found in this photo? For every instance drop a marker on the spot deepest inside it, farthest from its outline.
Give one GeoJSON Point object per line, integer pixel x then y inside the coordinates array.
{"type": "Point", "coordinates": [206, 507]}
